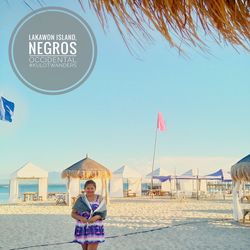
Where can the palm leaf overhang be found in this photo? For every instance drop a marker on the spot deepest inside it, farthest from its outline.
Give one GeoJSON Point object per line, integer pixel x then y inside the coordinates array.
{"type": "Point", "coordinates": [179, 21]}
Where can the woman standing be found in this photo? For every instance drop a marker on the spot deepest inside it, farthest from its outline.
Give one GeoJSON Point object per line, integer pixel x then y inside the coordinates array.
{"type": "Point", "coordinates": [89, 210]}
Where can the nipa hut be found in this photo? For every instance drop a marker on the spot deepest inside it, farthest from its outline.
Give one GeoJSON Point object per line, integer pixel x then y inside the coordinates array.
{"type": "Point", "coordinates": [83, 170]}
{"type": "Point", "coordinates": [240, 173]}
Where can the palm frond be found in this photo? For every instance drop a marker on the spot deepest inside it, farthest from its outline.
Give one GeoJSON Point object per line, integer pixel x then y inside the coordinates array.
{"type": "Point", "coordinates": [221, 19]}
{"type": "Point", "coordinates": [178, 21]}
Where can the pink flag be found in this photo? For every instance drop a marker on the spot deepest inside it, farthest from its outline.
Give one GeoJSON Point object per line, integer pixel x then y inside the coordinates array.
{"type": "Point", "coordinates": [160, 122]}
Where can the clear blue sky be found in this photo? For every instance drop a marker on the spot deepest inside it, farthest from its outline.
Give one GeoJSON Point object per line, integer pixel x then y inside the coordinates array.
{"type": "Point", "coordinates": [205, 100]}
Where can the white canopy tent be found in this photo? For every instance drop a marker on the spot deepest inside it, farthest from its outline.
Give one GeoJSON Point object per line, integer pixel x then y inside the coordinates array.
{"type": "Point", "coordinates": [188, 175]}
{"type": "Point", "coordinates": [158, 173]}
{"type": "Point", "coordinates": [187, 182]}
{"type": "Point", "coordinates": [123, 175]}
{"type": "Point", "coordinates": [29, 172]}
{"type": "Point", "coordinates": [215, 183]}
{"type": "Point", "coordinates": [220, 175]}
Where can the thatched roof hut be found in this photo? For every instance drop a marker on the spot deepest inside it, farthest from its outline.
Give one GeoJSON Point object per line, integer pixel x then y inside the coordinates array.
{"type": "Point", "coordinates": [179, 21]}
{"type": "Point", "coordinates": [87, 169]}
{"type": "Point", "coordinates": [241, 170]}
{"type": "Point", "coordinates": [82, 170]}
{"type": "Point", "coordinates": [240, 173]}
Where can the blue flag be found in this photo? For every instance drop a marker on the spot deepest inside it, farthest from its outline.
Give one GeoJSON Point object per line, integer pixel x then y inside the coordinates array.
{"type": "Point", "coordinates": [6, 109]}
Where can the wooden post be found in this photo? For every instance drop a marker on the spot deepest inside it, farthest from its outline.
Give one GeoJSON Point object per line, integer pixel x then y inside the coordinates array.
{"type": "Point", "coordinates": [68, 198]}
{"type": "Point", "coordinates": [197, 184]}
{"type": "Point", "coordinates": [103, 188]}
{"type": "Point", "coordinates": [106, 192]}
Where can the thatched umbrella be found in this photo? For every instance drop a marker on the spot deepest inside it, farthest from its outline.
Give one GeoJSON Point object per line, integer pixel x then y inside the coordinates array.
{"type": "Point", "coordinates": [241, 170]}
{"type": "Point", "coordinates": [82, 170]}
{"type": "Point", "coordinates": [87, 169]}
{"type": "Point", "coordinates": [179, 21]}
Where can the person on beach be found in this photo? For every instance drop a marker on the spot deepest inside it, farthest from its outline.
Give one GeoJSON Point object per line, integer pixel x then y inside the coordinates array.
{"type": "Point", "coordinates": [89, 211]}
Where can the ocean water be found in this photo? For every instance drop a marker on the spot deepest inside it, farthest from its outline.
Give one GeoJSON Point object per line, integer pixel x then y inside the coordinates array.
{"type": "Point", "coordinates": [4, 193]}
{"type": "Point", "coordinates": [4, 190]}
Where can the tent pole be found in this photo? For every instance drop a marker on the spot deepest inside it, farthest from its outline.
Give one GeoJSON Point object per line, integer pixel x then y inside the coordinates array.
{"type": "Point", "coordinates": [68, 192]}
{"type": "Point", "coordinates": [106, 191]}
{"type": "Point", "coordinates": [244, 188]}
{"type": "Point", "coordinates": [153, 162]}
{"type": "Point", "coordinates": [127, 187]}
{"type": "Point", "coordinates": [175, 180]}
{"type": "Point", "coordinates": [17, 190]}
{"type": "Point", "coordinates": [197, 184]}
{"type": "Point", "coordinates": [103, 187]}
{"type": "Point", "coordinates": [108, 196]}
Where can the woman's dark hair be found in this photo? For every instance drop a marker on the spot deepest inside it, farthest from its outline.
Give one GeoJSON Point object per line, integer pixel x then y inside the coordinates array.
{"type": "Point", "coordinates": [89, 182]}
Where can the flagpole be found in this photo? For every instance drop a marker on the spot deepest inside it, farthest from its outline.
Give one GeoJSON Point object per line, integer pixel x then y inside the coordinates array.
{"type": "Point", "coordinates": [153, 163]}
{"type": "Point", "coordinates": [161, 126]}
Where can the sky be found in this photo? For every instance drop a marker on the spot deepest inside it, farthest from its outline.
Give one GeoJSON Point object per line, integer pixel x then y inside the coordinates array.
{"type": "Point", "coordinates": [204, 99]}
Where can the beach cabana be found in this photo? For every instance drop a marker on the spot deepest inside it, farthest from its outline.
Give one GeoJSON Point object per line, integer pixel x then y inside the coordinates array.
{"type": "Point", "coordinates": [83, 170]}
{"type": "Point", "coordinates": [125, 176]}
{"type": "Point", "coordinates": [187, 182]}
{"type": "Point", "coordinates": [218, 175]}
{"type": "Point", "coordinates": [162, 177]}
{"type": "Point", "coordinates": [29, 172]}
{"type": "Point", "coordinates": [240, 173]}
{"type": "Point", "coordinates": [218, 182]}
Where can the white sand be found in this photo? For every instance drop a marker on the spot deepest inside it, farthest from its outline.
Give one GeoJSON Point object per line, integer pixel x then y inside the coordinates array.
{"type": "Point", "coordinates": [192, 225]}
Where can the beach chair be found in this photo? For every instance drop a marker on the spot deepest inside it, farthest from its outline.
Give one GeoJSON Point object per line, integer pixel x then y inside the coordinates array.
{"type": "Point", "coordinates": [164, 193]}
{"type": "Point", "coordinates": [245, 213]}
{"type": "Point", "coordinates": [60, 199]}
{"type": "Point", "coordinates": [153, 192]}
{"type": "Point", "coordinates": [245, 197]}
{"type": "Point", "coordinates": [51, 196]}
{"type": "Point", "coordinates": [131, 194]}
{"type": "Point", "coordinates": [35, 197]}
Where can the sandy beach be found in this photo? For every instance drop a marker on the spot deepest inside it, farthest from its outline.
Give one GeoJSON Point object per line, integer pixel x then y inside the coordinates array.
{"type": "Point", "coordinates": [187, 224]}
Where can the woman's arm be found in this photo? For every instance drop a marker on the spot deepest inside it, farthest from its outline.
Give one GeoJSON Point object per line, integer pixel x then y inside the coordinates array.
{"type": "Point", "coordinates": [94, 218]}
{"type": "Point", "coordinates": [76, 216]}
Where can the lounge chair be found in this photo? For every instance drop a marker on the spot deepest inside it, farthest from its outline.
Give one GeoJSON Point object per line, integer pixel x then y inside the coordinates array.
{"type": "Point", "coordinates": [131, 194]}
{"type": "Point", "coordinates": [60, 199]}
{"type": "Point", "coordinates": [245, 213]}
